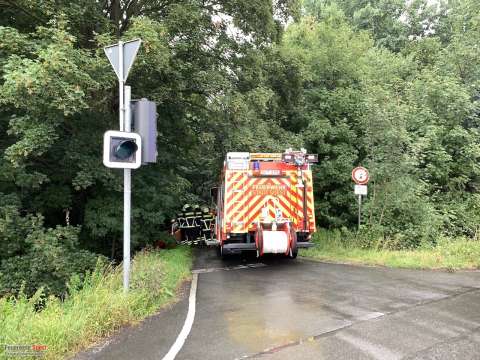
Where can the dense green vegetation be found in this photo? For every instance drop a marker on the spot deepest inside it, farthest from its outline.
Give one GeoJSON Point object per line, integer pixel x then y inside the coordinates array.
{"type": "Point", "coordinates": [392, 85]}
{"type": "Point", "coordinates": [96, 306]}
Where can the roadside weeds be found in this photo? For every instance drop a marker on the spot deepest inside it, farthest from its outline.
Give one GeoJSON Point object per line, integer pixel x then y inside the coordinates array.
{"type": "Point", "coordinates": [449, 255]}
{"type": "Point", "coordinates": [98, 307]}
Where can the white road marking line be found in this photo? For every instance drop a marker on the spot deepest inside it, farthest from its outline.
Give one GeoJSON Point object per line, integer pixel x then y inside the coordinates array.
{"type": "Point", "coordinates": [332, 332]}
{"type": "Point", "coordinates": [369, 316]}
{"type": "Point", "coordinates": [375, 350]}
{"type": "Point", "coordinates": [187, 326]}
{"type": "Point", "coordinates": [228, 268]}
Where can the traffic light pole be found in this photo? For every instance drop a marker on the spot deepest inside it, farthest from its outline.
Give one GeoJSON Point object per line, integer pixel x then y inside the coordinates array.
{"type": "Point", "coordinates": [127, 198]}
{"type": "Point", "coordinates": [121, 57]}
{"type": "Point", "coordinates": [125, 125]}
{"type": "Point", "coordinates": [121, 82]}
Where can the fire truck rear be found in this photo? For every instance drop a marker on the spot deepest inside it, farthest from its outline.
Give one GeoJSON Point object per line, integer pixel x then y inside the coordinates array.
{"type": "Point", "coordinates": [265, 203]}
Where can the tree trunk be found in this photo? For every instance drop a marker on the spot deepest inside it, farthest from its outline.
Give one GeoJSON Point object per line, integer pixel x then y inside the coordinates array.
{"type": "Point", "coordinates": [116, 15]}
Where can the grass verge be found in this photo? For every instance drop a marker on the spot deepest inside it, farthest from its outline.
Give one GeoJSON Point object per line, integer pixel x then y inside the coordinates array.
{"type": "Point", "coordinates": [447, 254]}
{"type": "Point", "coordinates": [96, 308]}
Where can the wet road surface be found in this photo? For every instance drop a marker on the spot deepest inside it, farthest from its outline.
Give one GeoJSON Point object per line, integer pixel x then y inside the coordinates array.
{"type": "Point", "coordinates": [300, 309]}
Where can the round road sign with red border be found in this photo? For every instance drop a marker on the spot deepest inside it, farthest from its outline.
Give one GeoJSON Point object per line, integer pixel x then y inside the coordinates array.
{"type": "Point", "coordinates": [360, 175]}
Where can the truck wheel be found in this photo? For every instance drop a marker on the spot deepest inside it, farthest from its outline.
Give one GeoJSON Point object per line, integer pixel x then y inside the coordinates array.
{"type": "Point", "coordinates": [293, 250]}
{"type": "Point", "coordinates": [220, 252]}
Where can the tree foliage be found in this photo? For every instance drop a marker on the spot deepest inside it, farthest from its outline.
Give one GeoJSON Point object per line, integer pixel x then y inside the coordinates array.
{"type": "Point", "coordinates": [387, 84]}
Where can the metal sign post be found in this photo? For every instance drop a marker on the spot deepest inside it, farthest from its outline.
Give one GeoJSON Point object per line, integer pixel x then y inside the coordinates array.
{"type": "Point", "coordinates": [121, 82]}
{"type": "Point", "coordinates": [360, 176]}
{"type": "Point", "coordinates": [360, 190]}
{"type": "Point", "coordinates": [121, 56]}
{"type": "Point", "coordinates": [127, 199]}
{"type": "Point", "coordinates": [359, 211]}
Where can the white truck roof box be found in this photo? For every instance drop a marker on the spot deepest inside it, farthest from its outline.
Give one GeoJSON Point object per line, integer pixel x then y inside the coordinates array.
{"type": "Point", "coordinates": [238, 160]}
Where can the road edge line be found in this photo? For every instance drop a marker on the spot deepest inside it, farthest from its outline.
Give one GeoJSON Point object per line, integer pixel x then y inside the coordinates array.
{"type": "Point", "coordinates": [187, 326]}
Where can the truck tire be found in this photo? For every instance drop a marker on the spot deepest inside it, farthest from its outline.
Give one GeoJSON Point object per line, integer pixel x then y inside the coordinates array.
{"type": "Point", "coordinates": [294, 249]}
{"type": "Point", "coordinates": [220, 252]}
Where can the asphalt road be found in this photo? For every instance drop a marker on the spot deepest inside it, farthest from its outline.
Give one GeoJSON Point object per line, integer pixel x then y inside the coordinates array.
{"type": "Point", "coordinates": [299, 309]}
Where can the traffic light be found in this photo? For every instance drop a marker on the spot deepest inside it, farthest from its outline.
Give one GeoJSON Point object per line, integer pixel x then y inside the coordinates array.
{"type": "Point", "coordinates": [145, 124]}
{"type": "Point", "coordinates": [122, 150]}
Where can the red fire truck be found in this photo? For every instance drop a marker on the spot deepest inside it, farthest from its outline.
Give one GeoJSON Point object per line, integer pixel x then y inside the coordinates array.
{"type": "Point", "coordinates": [265, 203]}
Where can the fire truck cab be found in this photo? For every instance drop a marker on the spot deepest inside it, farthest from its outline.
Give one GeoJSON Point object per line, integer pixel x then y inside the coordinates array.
{"type": "Point", "coordinates": [265, 203]}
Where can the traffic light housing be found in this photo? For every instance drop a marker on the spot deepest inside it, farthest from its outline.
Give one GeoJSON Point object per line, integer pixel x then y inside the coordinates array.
{"type": "Point", "coordinates": [122, 150]}
{"type": "Point", "coordinates": [145, 124]}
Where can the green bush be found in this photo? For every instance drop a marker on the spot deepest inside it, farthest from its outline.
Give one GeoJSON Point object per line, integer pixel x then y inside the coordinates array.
{"type": "Point", "coordinates": [461, 214]}
{"type": "Point", "coordinates": [166, 240]}
{"type": "Point", "coordinates": [33, 257]}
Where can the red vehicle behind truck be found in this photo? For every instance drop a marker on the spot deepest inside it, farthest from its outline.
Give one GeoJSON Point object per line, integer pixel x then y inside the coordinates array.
{"type": "Point", "coordinates": [265, 203]}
